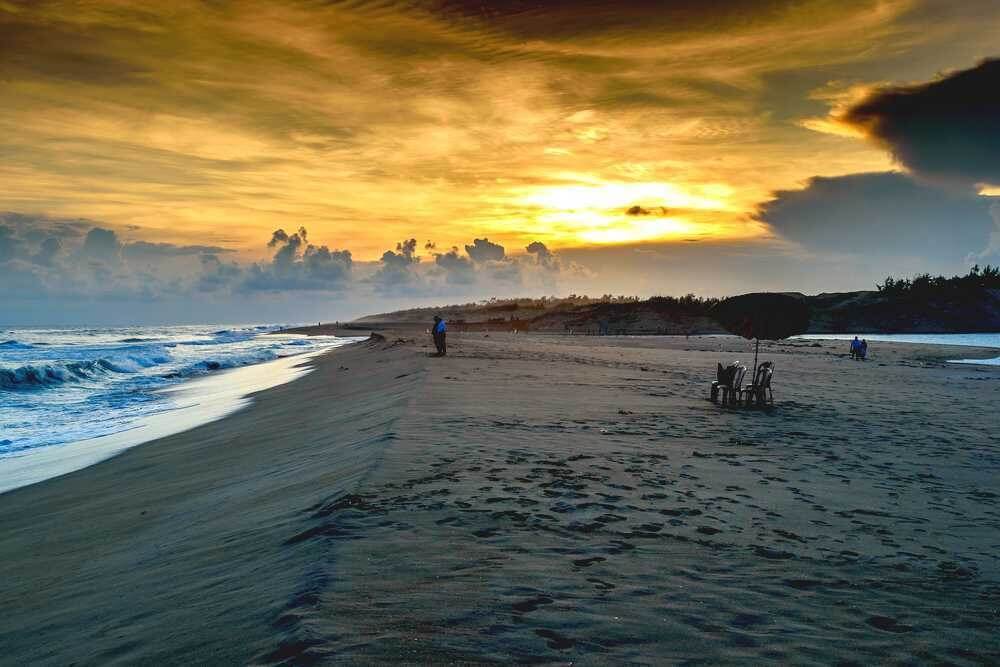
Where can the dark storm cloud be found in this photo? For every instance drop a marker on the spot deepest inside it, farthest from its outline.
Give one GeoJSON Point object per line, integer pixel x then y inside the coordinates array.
{"type": "Point", "coordinates": [948, 128]}
{"type": "Point", "coordinates": [881, 214]}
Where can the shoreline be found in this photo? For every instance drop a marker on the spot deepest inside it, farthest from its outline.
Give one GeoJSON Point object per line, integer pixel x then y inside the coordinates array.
{"type": "Point", "coordinates": [202, 400]}
{"type": "Point", "coordinates": [530, 497]}
{"type": "Point", "coordinates": [157, 554]}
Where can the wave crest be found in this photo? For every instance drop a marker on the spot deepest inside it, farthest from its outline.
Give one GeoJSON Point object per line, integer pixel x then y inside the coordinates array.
{"type": "Point", "coordinates": [39, 375]}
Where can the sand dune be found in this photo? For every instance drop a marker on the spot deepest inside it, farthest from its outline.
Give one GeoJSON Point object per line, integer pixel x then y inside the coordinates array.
{"type": "Point", "coordinates": [535, 498]}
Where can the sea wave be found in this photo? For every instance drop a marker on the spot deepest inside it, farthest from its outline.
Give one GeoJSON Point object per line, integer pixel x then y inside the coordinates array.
{"type": "Point", "coordinates": [15, 345]}
{"type": "Point", "coordinates": [40, 375]}
{"type": "Point", "coordinates": [43, 375]}
{"type": "Point", "coordinates": [234, 361]}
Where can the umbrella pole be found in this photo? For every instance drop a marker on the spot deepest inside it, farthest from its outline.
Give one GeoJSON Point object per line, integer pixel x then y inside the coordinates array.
{"type": "Point", "coordinates": [755, 353]}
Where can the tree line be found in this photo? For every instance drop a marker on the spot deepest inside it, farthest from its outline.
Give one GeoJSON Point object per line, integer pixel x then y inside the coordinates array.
{"type": "Point", "coordinates": [924, 284]}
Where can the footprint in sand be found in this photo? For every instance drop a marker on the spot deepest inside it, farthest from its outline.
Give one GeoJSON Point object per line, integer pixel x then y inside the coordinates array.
{"type": "Point", "coordinates": [531, 604]}
{"type": "Point", "coordinates": [888, 624]}
{"type": "Point", "coordinates": [601, 585]}
{"type": "Point", "coordinates": [556, 640]}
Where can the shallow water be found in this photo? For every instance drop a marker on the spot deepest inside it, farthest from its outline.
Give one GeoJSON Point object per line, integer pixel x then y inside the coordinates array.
{"type": "Point", "coordinates": [62, 390]}
{"type": "Point", "coordinates": [964, 340]}
{"type": "Point", "coordinates": [194, 402]}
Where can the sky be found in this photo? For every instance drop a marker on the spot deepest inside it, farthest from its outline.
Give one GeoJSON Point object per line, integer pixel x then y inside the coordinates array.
{"type": "Point", "coordinates": [299, 160]}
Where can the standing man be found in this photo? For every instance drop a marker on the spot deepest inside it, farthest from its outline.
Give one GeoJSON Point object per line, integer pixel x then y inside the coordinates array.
{"type": "Point", "coordinates": [438, 331]}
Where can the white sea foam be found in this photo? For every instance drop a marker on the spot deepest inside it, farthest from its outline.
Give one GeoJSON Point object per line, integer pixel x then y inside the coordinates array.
{"type": "Point", "coordinates": [59, 387]}
{"type": "Point", "coordinates": [184, 406]}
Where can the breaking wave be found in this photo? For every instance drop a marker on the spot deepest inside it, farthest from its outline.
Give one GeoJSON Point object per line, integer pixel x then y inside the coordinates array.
{"type": "Point", "coordinates": [38, 375]}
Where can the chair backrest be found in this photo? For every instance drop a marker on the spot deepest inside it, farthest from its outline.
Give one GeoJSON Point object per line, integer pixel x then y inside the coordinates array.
{"type": "Point", "coordinates": [740, 372]}
{"type": "Point", "coordinates": [731, 375]}
{"type": "Point", "coordinates": [763, 376]}
{"type": "Point", "coordinates": [765, 382]}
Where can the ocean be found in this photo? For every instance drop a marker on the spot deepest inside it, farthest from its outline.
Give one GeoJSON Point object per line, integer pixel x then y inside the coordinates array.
{"type": "Point", "coordinates": [989, 340]}
{"type": "Point", "coordinates": [67, 391]}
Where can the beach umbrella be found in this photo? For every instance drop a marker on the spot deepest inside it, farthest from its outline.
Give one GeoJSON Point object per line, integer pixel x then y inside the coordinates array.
{"type": "Point", "coordinates": [763, 315]}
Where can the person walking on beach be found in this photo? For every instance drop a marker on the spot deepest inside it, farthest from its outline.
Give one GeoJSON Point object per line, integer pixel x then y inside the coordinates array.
{"type": "Point", "coordinates": [438, 331]}
{"type": "Point", "coordinates": [855, 348]}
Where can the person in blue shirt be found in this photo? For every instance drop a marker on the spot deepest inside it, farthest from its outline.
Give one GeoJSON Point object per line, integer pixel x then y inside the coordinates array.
{"type": "Point", "coordinates": [438, 331]}
{"type": "Point", "coordinates": [855, 348]}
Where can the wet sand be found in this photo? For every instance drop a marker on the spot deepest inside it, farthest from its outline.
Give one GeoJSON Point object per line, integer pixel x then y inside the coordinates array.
{"type": "Point", "coordinates": [535, 498]}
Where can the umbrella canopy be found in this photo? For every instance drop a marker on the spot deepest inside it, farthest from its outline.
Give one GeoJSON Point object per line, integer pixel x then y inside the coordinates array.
{"type": "Point", "coordinates": [763, 315]}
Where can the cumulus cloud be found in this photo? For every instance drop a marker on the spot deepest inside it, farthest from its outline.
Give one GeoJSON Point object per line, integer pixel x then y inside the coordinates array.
{"type": "Point", "coordinates": [543, 255]}
{"type": "Point", "coordinates": [299, 265]}
{"type": "Point", "coordinates": [482, 250]}
{"type": "Point", "coordinates": [457, 269]}
{"type": "Point", "coordinates": [484, 268]}
{"type": "Point", "coordinates": [102, 245]}
{"type": "Point", "coordinates": [395, 272]}
{"type": "Point", "coordinates": [48, 251]}
{"type": "Point", "coordinates": [217, 275]}
{"type": "Point", "coordinates": [68, 266]}
{"type": "Point", "coordinates": [881, 214]}
{"type": "Point", "coordinates": [946, 129]}
{"type": "Point", "coordinates": [403, 257]}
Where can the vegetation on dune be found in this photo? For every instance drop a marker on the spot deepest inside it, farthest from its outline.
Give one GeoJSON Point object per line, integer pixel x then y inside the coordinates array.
{"type": "Point", "coordinates": [919, 304]}
{"type": "Point", "coordinates": [924, 285]}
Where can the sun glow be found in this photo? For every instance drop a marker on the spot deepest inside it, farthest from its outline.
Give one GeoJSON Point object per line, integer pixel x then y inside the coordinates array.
{"type": "Point", "coordinates": [609, 196]}
{"type": "Point", "coordinates": [617, 213]}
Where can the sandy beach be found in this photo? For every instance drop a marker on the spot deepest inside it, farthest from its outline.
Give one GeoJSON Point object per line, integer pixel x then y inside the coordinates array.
{"type": "Point", "coordinates": [535, 498]}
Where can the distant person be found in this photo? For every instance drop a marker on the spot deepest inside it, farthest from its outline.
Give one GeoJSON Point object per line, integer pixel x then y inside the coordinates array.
{"type": "Point", "coordinates": [855, 348]}
{"type": "Point", "coordinates": [863, 349]}
{"type": "Point", "coordinates": [439, 331]}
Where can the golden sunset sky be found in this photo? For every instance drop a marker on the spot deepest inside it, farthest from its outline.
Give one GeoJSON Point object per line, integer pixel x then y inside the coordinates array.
{"type": "Point", "coordinates": [216, 122]}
